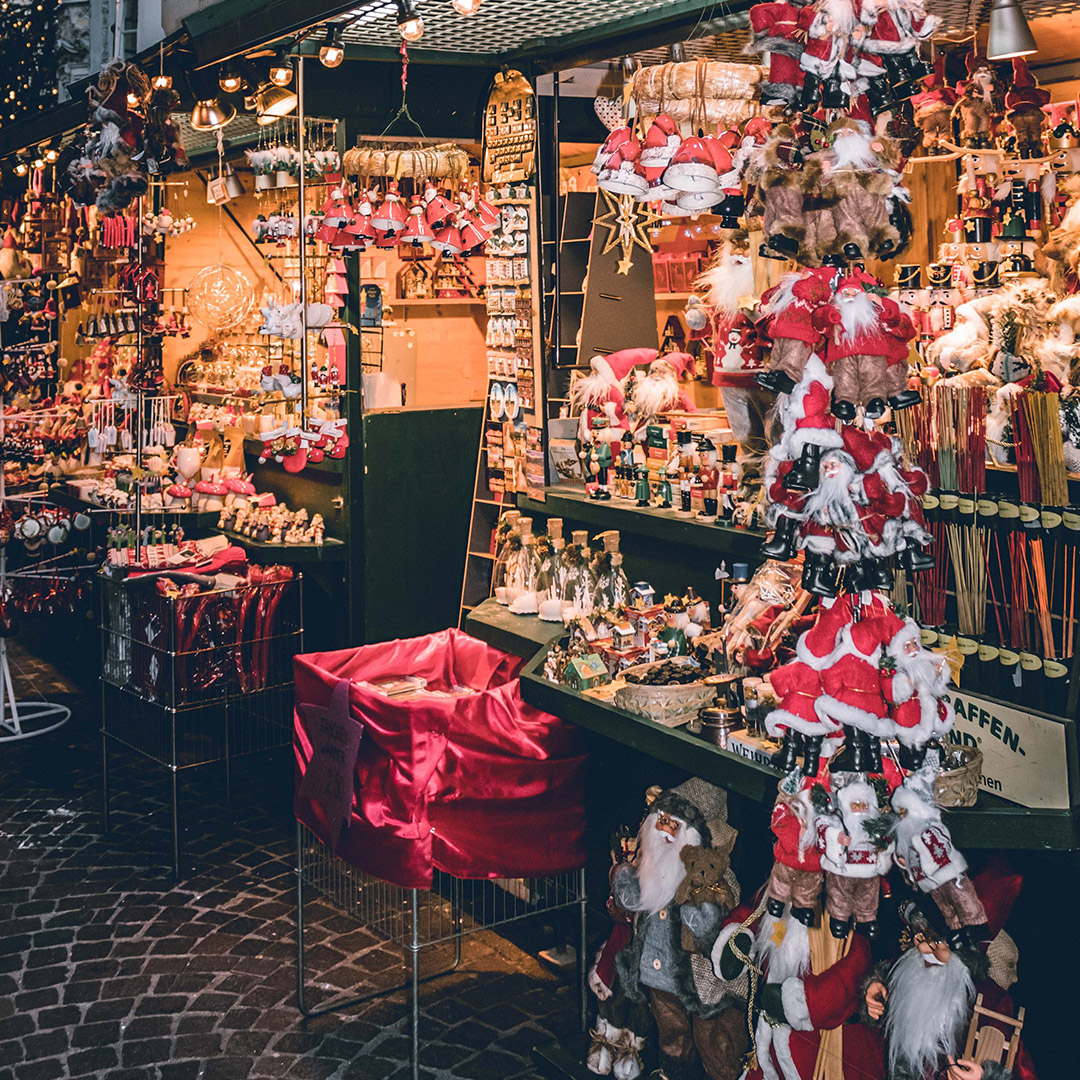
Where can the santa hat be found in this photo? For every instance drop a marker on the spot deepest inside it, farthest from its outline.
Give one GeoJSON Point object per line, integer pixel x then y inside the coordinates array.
{"type": "Point", "coordinates": [1022, 77]}
{"type": "Point", "coordinates": [972, 62]}
{"type": "Point", "coordinates": [816, 647]}
{"type": "Point", "coordinates": [702, 806]}
{"type": "Point", "coordinates": [681, 363]}
{"type": "Point", "coordinates": [624, 361]}
{"type": "Point", "coordinates": [807, 411]}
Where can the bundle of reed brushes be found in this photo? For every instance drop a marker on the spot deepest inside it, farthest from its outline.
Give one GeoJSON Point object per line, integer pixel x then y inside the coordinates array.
{"type": "Point", "coordinates": [960, 425]}
{"type": "Point", "coordinates": [929, 585]}
{"type": "Point", "coordinates": [966, 548]}
{"type": "Point", "coordinates": [1042, 415]}
{"type": "Point", "coordinates": [915, 426]}
{"type": "Point", "coordinates": [1027, 474]}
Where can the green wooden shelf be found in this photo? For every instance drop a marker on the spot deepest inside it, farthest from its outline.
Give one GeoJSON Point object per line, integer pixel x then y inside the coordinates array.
{"type": "Point", "coordinates": [520, 635]}
{"type": "Point", "coordinates": [644, 521]}
{"type": "Point", "coordinates": [991, 823]}
{"type": "Point", "coordinates": [262, 551]}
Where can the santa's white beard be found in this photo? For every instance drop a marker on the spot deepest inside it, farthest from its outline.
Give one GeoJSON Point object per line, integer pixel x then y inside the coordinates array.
{"type": "Point", "coordinates": [592, 389]}
{"type": "Point", "coordinates": [831, 503]}
{"type": "Point", "coordinates": [842, 14]}
{"type": "Point", "coordinates": [858, 314]}
{"type": "Point", "coordinates": [911, 826]}
{"type": "Point", "coordinates": [657, 392]}
{"type": "Point", "coordinates": [660, 870]}
{"type": "Point", "coordinates": [852, 150]}
{"type": "Point", "coordinates": [784, 294]}
{"type": "Point", "coordinates": [731, 279]}
{"type": "Point", "coordinates": [922, 675]}
{"type": "Point", "coordinates": [788, 958]}
{"type": "Point", "coordinates": [927, 1013]}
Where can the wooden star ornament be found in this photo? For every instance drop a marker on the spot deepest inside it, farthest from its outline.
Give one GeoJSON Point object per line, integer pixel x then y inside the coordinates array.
{"type": "Point", "coordinates": [628, 222]}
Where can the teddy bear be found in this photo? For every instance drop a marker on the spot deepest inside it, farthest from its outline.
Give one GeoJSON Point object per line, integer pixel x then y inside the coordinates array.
{"type": "Point", "coordinates": [708, 871]}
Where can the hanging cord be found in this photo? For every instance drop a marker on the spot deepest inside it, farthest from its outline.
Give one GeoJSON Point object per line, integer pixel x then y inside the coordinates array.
{"type": "Point", "coordinates": [403, 108]}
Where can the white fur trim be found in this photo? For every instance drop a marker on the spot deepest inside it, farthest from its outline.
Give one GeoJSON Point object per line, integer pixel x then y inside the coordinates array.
{"type": "Point", "coordinates": [782, 1049]}
{"type": "Point", "coordinates": [781, 718]}
{"type": "Point", "coordinates": [841, 713]}
{"type": "Point", "coordinates": [820, 545]}
{"type": "Point", "coordinates": [813, 372]}
{"type": "Point", "coordinates": [796, 1010]}
{"type": "Point", "coordinates": [763, 1042]}
{"type": "Point", "coordinates": [827, 438]}
{"type": "Point", "coordinates": [725, 935]}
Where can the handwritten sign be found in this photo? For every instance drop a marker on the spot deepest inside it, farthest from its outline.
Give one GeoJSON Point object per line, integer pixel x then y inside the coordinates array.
{"type": "Point", "coordinates": [335, 740]}
{"type": "Point", "coordinates": [1023, 755]}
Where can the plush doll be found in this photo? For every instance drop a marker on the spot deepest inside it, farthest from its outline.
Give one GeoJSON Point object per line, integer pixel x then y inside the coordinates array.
{"type": "Point", "coordinates": [829, 27]}
{"type": "Point", "coordinates": [698, 1019]}
{"type": "Point", "coordinates": [855, 853]}
{"type": "Point", "coordinates": [1024, 103]}
{"type": "Point", "coordinates": [934, 107]}
{"type": "Point", "coordinates": [978, 103]}
{"type": "Point", "coordinates": [775, 31]}
{"type": "Point", "coordinates": [796, 876]}
{"type": "Point", "coordinates": [779, 196]}
{"type": "Point", "coordinates": [787, 311]}
{"type": "Point", "coordinates": [896, 27]}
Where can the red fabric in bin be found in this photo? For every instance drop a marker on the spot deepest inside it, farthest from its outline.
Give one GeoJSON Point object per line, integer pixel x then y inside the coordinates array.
{"type": "Point", "coordinates": [482, 786]}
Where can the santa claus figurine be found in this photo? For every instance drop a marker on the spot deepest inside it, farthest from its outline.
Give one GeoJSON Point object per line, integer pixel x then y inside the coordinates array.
{"type": "Point", "coordinates": [855, 852]}
{"type": "Point", "coordinates": [779, 196]}
{"type": "Point", "coordinates": [915, 682]}
{"type": "Point", "coordinates": [796, 876]}
{"type": "Point", "coordinates": [775, 32]}
{"type": "Point", "coordinates": [933, 109]}
{"type": "Point", "coordinates": [601, 392]}
{"type": "Point", "coordinates": [787, 310]}
{"type": "Point", "coordinates": [926, 855]}
{"type": "Point", "coordinates": [1024, 103]}
{"type": "Point", "coordinates": [924, 1002]}
{"type": "Point", "coordinates": [700, 1023]}
{"type": "Point", "coordinates": [658, 391]}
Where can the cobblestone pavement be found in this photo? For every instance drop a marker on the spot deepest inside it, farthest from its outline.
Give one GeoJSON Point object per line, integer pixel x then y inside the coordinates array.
{"type": "Point", "coordinates": [109, 969]}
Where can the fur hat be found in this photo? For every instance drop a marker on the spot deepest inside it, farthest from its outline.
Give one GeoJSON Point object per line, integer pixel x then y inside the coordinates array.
{"type": "Point", "coordinates": [703, 806]}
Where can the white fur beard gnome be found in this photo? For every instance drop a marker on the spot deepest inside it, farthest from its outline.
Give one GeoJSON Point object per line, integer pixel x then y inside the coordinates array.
{"type": "Point", "coordinates": [659, 391]}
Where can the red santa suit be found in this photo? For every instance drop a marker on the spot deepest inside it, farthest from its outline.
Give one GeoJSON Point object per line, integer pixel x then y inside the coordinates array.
{"type": "Point", "coordinates": [789, 307]}
{"type": "Point", "coordinates": [775, 30]}
{"type": "Point", "coordinates": [852, 684]}
{"type": "Point", "coordinates": [796, 874]}
{"type": "Point", "coordinates": [914, 681]}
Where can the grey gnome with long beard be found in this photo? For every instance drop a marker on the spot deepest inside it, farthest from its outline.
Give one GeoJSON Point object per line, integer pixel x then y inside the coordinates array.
{"type": "Point", "coordinates": [680, 889]}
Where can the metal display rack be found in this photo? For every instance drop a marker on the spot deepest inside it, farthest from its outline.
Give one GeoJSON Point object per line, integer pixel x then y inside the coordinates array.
{"type": "Point", "coordinates": [416, 919]}
{"type": "Point", "coordinates": [184, 699]}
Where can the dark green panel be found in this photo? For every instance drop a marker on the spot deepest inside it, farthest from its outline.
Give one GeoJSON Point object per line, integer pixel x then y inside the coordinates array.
{"type": "Point", "coordinates": [412, 517]}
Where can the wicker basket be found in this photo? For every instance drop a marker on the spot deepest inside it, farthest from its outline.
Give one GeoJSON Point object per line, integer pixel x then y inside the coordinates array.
{"type": "Point", "coordinates": [960, 787]}
{"type": "Point", "coordinates": [667, 705]}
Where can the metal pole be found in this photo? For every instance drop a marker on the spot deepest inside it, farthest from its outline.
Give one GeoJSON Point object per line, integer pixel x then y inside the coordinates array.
{"type": "Point", "coordinates": [582, 961]}
{"type": "Point", "coordinates": [414, 1026]}
{"type": "Point", "coordinates": [301, 148]}
{"type": "Point", "coordinates": [556, 221]}
{"type": "Point", "coordinates": [118, 31]}
{"type": "Point", "coordinates": [140, 403]}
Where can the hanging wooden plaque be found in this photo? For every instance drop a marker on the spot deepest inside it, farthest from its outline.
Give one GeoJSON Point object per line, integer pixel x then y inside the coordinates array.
{"type": "Point", "coordinates": [510, 130]}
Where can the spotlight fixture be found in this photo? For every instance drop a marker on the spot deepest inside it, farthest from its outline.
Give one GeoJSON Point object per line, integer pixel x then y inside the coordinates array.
{"type": "Point", "coordinates": [678, 52]}
{"type": "Point", "coordinates": [132, 100]}
{"type": "Point", "coordinates": [272, 103]}
{"type": "Point", "coordinates": [281, 68]}
{"type": "Point", "coordinates": [38, 163]}
{"type": "Point", "coordinates": [410, 22]}
{"type": "Point", "coordinates": [466, 7]}
{"type": "Point", "coordinates": [1010, 34]}
{"type": "Point", "coordinates": [332, 52]}
{"type": "Point", "coordinates": [21, 168]}
{"type": "Point", "coordinates": [51, 155]}
{"type": "Point", "coordinates": [210, 112]}
{"type": "Point", "coordinates": [161, 81]}
{"type": "Point", "coordinates": [229, 78]}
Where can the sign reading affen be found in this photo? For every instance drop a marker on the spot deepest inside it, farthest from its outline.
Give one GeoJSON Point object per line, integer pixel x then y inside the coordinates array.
{"type": "Point", "coordinates": [1023, 755]}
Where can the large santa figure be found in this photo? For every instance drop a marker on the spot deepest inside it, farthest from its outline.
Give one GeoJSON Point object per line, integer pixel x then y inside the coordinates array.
{"type": "Point", "coordinates": [680, 889]}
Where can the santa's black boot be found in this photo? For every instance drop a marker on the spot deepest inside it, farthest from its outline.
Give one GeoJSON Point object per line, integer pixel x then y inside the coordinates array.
{"type": "Point", "coordinates": [787, 757]}
{"type": "Point", "coordinates": [819, 575]}
{"type": "Point", "coordinates": [805, 473]}
{"type": "Point", "coordinates": [958, 939]}
{"type": "Point", "coordinates": [805, 915]}
{"type": "Point", "coordinates": [853, 253]}
{"type": "Point", "coordinates": [853, 757]}
{"type": "Point", "coordinates": [775, 907]}
{"type": "Point", "coordinates": [811, 754]}
{"type": "Point", "coordinates": [874, 409]}
{"type": "Point", "coordinates": [811, 93]}
{"type": "Point", "coordinates": [873, 753]}
{"type": "Point", "coordinates": [914, 559]}
{"type": "Point", "coordinates": [875, 574]}
{"type": "Point", "coordinates": [787, 246]}
{"type": "Point", "coordinates": [878, 96]}
{"type": "Point", "coordinates": [832, 93]}
{"type": "Point", "coordinates": [776, 381]}
{"type": "Point", "coordinates": [911, 757]}
{"type": "Point", "coordinates": [838, 927]}
{"type": "Point", "coordinates": [843, 410]}
{"type": "Point", "coordinates": [905, 399]}
{"type": "Point", "coordinates": [869, 930]}
{"type": "Point", "coordinates": [785, 538]}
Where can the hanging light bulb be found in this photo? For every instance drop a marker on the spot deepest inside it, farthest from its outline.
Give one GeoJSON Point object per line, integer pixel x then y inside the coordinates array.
{"type": "Point", "coordinates": [132, 100]}
{"type": "Point", "coordinates": [410, 22]}
{"type": "Point", "coordinates": [229, 78]}
{"type": "Point", "coordinates": [21, 168]}
{"type": "Point", "coordinates": [332, 52]}
{"type": "Point", "coordinates": [1010, 34]}
{"type": "Point", "coordinates": [39, 163]}
{"type": "Point", "coordinates": [466, 7]}
{"type": "Point", "coordinates": [281, 68]}
{"type": "Point", "coordinates": [51, 155]}
{"type": "Point", "coordinates": [161, 81]}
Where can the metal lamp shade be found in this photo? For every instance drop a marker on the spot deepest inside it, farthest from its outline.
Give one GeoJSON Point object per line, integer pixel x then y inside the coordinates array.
{"type": "Point", "coordinates": [273, 103]}
{"type": "Point", "coordinates": [1010, 34]}
{"type": "Point", "coordinates": [211, 114]}
{"type": "Point", "coordinates": [232, 182]}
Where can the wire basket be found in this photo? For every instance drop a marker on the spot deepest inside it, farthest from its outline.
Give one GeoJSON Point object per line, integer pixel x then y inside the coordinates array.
{"type": "Point", "coordinates": [190, 650]}
{"type": "Point", "coordinates": [452, 907]}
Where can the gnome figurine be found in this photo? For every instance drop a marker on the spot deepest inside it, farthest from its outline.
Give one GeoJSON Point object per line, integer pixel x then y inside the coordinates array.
{"type": "Point", "coordinates": [1024, 103]}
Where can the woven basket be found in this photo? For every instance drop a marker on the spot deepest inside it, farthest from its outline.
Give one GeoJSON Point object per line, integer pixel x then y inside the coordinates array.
{"type": "Point", "coordinates": [667, 705]}
{"type": "Point", "coordinates": [960, 787]}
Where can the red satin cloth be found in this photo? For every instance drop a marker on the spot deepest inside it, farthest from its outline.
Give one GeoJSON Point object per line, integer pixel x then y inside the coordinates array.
{"type": "Point", "coordinates": [482, 786]}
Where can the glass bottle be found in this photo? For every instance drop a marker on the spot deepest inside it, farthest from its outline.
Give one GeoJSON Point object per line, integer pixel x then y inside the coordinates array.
{"type": "Point", "coordinates": [578, 588]}
{"type": "Point", "coordinates": [522, 568]}
{"type": "Point", "coordinates": [551, 576]}
{"type": "Point", "coordinates": [507, 540]}
{"type": "Point", "coordinates": [612, 590]}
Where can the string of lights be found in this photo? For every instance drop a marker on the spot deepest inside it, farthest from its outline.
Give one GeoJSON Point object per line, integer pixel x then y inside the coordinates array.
{"type": "Point", "coordinates": [28, 68]}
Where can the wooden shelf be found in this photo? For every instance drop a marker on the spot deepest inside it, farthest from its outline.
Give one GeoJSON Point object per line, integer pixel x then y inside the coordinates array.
{"type": "Point", "coordinates": [433, 301]}
{"type": "Point", "coordinates": [262, 551]}
{"type": "Point", "coordinates": [643, 521]}
{"type": "Point", "coordinates": [202, 519]}
{"type": "Point", "coordinates": [992, 823]}
{"type": "Point", "coordinates": [521, 635]}
{"type": "Point", "coordinates": [481, 555]}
